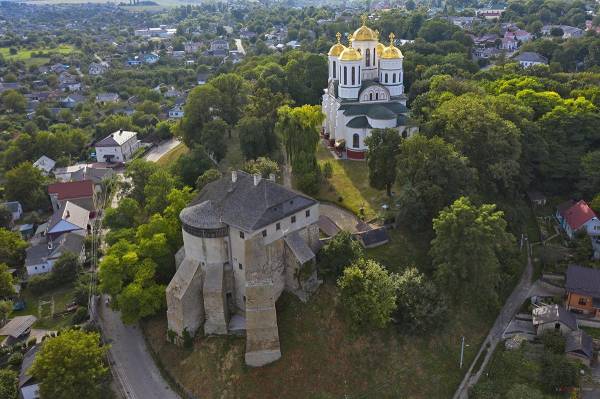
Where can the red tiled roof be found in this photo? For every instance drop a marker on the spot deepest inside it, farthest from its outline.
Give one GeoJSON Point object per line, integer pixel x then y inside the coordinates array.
{"type": "Point", "coordinates": [578, 214]}
{"type": "Point", "coordinates": [71, 190]}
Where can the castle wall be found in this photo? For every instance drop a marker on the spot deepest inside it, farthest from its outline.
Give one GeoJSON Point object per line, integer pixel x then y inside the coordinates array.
{"type": "Point", "coordinates": [185, 307]}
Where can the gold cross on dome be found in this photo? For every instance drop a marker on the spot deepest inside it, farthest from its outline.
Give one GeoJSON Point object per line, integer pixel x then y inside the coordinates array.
{"type": "Point", "coordinates": [338, 36]}
{"type": "Point", "coordinates": [363, 18]}
{"type": "Point", "coordinates": [392, 37]}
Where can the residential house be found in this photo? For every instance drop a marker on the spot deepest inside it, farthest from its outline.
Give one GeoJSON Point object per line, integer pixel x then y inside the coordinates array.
{"type": "Point", "coordinates": [578, 216]}
{"type": "Point", "coordinates": [192, 47]}
{"type": "Point", "coordinates": [293, 44]}
{"type": "Point", "coordinates": [70, 86]}
{"type": "Point", "coordinates": [151, 58]}
{"type": "Point", "coordinates": [172, 92]}
{"type": "Point", "coordinates": [579, 346]}
{"type": "Point", "coordinates": [15, 208]}
{"type": "Point", "coordinates": [582, 286]}
{"type": "Point", "coordinates": [98, 68]}
{"type": "Point", "coordinates": [462, 22]}
{"type": "Point", "coordinates": [40, 257]}
{"type": "Point", "coordinates": [492, 12]}
{"type": "Point", "coordinates": [45, 164]}
{"type": "Point", "coordinates": [134, 62]}
{"type": "Point", "coordinates": [176, 112]}
{"type": "Point", "coordinates": [529, 59]}
{"type": "Point", "coordinates": [568, 31]}
{"type": "Point", "coordinates": [59, 68]}
{"type": "Point", "coordinates": [4, 86]}
{"type": "Point", "coordinates": [247, 34]}
{"type": "Point", "coordinates": [80, 192]}
{"type": "Point", "coordinates": [72, 100]}
{"type": "Point", "coordinates": [96, 172]}
{"type": "Point", "coordinates": [202, 78]}
{"type": "Point", "coordinates": [219, 44]}
{"type": "Point", "coordinates": [117, 147]}
{"type": "Point", "coordinates": [69, 218]}
{"type": "Point", "coordinates": [509, 43]}
{"type": "Point", "coordinates": [553, 318]}
{"type": "Point", "coordinates": [17, 329]}
{"type": "Point", "coordinates": [25, 230]}
{"type": "Point", "coordinates": [106, 98]}
{"type": "Point", "coordinates": [162, 32]}
{"type": "Point", "coordinates": [536, 198]}
{"type": "Point", "coordinates": [28, 385]}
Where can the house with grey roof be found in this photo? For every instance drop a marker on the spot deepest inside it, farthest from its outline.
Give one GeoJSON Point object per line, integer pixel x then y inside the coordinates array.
{"type": "Point", "coordinates": [246, 240]}
{"type": "Point", "coordinates": [70, 217]}
{"type": "Point", "coordinates": [117, 147]}
{"type": "Point", "coordinates": [28, 385]}
{"type": "Point", "coordinates": [528, 59]}
{"type": "Point", "coordinates": [40, 257]}
{"type": "Point", "coordinates": [553, 318]}
{"type": "Point", "coordinates": [15, 208]}
{"type": "Point", "coordinates": [579, 346]}
{"type": "Point", "coordinates": [45, 164]}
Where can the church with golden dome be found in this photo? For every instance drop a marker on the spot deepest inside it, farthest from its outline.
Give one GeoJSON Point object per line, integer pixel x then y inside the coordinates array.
{"type": "Point", "coordinates": [365, 91]}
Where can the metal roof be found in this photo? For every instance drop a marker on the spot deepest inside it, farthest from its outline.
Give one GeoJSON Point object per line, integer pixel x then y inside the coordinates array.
{"type": "Point", "coordinates": [17, 326]}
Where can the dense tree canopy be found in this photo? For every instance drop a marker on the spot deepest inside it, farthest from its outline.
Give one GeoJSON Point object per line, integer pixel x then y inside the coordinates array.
{"type": "Point", "coordinates": [384, 145]}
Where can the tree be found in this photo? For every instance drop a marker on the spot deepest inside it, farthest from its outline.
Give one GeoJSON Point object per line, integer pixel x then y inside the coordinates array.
{"type": "Point", "coordinates": [71, 365]}
{"type": "Point", "coordinates": [367, 293]}
{"type": "Point", "coordinates": [261, 166]}
{"type": "Point", "coordinates": [253, 140]}
{"type": "Point", "coordinates": [139, 171]}
{"type": "Point", "coordinates": [14, 101]}
{"type": "Point", "coordinates": [554, 342]}
{"type": "Point", "coordinates": [432, 174]}
{"type": "Point", "coordinates": [232, 96]}
{"type": "Point", "coordinates": [467, 250]}
{"type": "Point", "coordinates": [159, 185]}
{"type": "Point", "coordinates": [419, 305]}
{"type": "Point", "coordinates": [65, 268]}
{"type": "Point", "coordinates": [7, 288]}
{"type": "Point", "coordinates": [213, 138]}
{"type": "Point", "coordinates": [127, 214]}
{"type": "Point", "coordinates": [191, 165]}
{"type": "Point", "coordinates": [522, 391]}
{"type": "Point", "coordinates": [596, 203]}
{"type": "Point", "coordinates": [6, 308]}
{"type": "Point", "coordinates": [207, 177]}
{"type": "Point", "coordinates": [5, 217]}
{"type": "Point", "coordinates": [9, 383]}
{"type": "Point", "coordinates": [558, 372]}
{"type": "Point", "coordinates": [384, 145]}
{"type": "Point", "coordinates": [339, 252]}
{"type": "Point", "coordinates": [198, 110]}
{"type": "Point", "coordinates": [12, 248]}
{"type": "Point", "coordinates": [26, 184]}
{"type": "Point", "coordinates": [589, 180]}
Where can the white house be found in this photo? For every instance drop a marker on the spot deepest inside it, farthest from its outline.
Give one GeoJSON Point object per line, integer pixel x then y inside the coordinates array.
{"type": "Point", "coordinates": [117, 147]}
{"type": "Point", "coordinates": [176, 112]}
{"type": "Point", "coordinates": [529, 59]}
{"type": "Point", "coordinates": [45, 164]}
{"type": "Point", "coordinates": [98, 68]}
{"type": "Point", "coordinates": [40, 258]}
{"type": "Point", "coordinates": [15, 209]}
{"type": "Point", "coordinates": [578, 216]}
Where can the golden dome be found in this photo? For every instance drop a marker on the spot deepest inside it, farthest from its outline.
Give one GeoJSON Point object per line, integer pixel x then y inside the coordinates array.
{"type": "Point", "coordinates": [364, 33]}
{"type": "Point", "coordinates": [379, 49]}
{"type": "Point", "coordinates": [350, 54]}
{"type": "Point", "coordinates": [391, 52]}
{"type": "Point", "coordinates": [337, 48]}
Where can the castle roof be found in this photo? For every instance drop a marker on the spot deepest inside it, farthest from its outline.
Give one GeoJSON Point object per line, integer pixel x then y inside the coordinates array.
{"type": "Point", "coordinates": [244, 204]}
{"type": "Point", "coordinates": [203, 216]}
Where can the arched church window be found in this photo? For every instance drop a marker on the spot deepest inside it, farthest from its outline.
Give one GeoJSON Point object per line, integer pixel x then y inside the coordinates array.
{"type": "Point", "coordinates": [345, 75]}
{"type": "Point", "coordinates": [370, 96]}
{"type": "Point", "coordinates": [393, 78]}
{"type": "Point", "coordinates": [376, 96]}
{"type": "Point", "coordinates": [355, 141]}
{"type": "Point", "coordinates": [386, 78]}
{"type": "Point", "coordinates": [374, 53]}
{"type": "Point", "coordinates": [368, 57]}
{"type": "Point", "coordinates": [334, 69]}
{"type": "Point", "coordinates": [353, 76]}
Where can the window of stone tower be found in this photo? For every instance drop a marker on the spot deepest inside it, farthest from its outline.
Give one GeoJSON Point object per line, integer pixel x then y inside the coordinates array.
{"type": "Point", "coordinates": [334, 68]}
{"type": "Point", "coordinates": [353, 76]}
{"type": "Point", "coordinates": [368, 57]}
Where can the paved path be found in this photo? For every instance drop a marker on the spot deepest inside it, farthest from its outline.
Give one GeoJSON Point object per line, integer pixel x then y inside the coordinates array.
{"type": "Point", "coordinates": [344, 219]}
{"type": "Point", "coordinates": [157, 152]}
{"type": "Point", "coordinates": [512, 305]}
{"type": "Point", "coordinates": [240, 46]}
{"type": "Point", "coordinates": [134, 367]}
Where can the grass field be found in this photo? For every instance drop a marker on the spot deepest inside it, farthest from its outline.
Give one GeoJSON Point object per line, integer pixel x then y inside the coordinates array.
{"type": "Point", "coordinates": [350, 181]}
{"type": "Point", "coordinates": [170, 157]}
{"type": "Point", "coordinates": [62, 297]}
{"type": "Point", "coordinates": [323, 358]}
{"type": "Point", "coordinates": [25, 55]}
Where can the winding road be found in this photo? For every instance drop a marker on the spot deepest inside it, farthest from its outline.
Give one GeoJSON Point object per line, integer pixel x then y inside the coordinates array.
{"type": "Point", "coordinates": [132, 366]}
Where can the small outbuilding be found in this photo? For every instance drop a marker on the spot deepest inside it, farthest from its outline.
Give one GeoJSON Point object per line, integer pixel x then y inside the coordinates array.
{"type": "Point", "coordinates": [553, 318]}
{"type": "Point", "coordinates": [18, 328]}
{"type": "Point", "coordinates": [579, 346]}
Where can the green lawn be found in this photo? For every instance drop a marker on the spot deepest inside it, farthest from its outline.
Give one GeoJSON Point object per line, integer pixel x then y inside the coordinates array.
{"type": "Point", "coordinates": [170, 157]}
{"type": "Point", "coordinates": [350, 181]}
{"type": "Point", "coordinates": [323, 358]}
{"type": "Point", "coordinates": [25, 55]}
{"type": "Point", "coordinates": [62, 296]}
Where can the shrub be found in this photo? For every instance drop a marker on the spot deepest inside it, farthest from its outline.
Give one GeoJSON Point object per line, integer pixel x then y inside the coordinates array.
{"type": "Point", "coordinates": [81, 315]}
{"type": "Point", "coordinates": [15, 360]}
{"type": "Point", "coordinates": [327, 170]}
{"type": "Point", "coordinates": [553, 342]}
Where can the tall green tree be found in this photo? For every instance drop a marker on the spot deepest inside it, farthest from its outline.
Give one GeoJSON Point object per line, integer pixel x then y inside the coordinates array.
{"type": "Point", "coordinates": [159, 185]}
{"type": "Point", "coordinates": [127, 214]}
{"type": "Point", "coordinates": [26, 184]}
{"type": "Point", "coordinates": [12, 248]}
{"type": "Point", "coordinates": [199, 109]}
{"type": "Point", "coordinates": [213, 138]}
{"type": "Point", "coordinates": [384, 146]}
{"type": "Point", "coordinates": [71, 365]}
{"type": "Point", "coordinates": [589, 179]}
{"type": "Point", "coordinates": [6, 282]}
{"type": "Point", "coordinates": [139, 171]}
{"type": "Point", "coordinates": [13, 101]}
{"type": "Point", "coordinates": [467, 251]}
{"type": "Point", "coordinates": [340, 251]}
{"type": "Point", "coordinates": [9, 384]}
{"type": "Point", "coordinates": [432, 175]}
{"type": "Point", "coordinates": [368, 294]}
{"type": "Point", "coordinates": [5, 217]}
{"type": "Point", "coordinates": [232, 96]}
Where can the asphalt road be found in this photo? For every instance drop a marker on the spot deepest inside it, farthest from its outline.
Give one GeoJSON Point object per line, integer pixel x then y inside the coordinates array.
{"type": "Point", "coordinates": [157, 152]}
{"type": "Point", "coordinates": [134, 367]}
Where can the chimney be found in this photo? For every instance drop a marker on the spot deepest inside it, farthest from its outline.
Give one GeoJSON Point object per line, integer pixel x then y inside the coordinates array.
{"type": "Point", "coordinates": [257, 178]}
{"type": "Point", "coordinates": [233, 176]}
{"type": "Point", "coordinates": [272, 177]}
{"type": "Point", "coordinates": [68, 215]}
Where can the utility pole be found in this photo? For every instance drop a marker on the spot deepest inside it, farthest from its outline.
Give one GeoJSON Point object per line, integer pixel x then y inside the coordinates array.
{"type": "Point", "coordinates": [462, 351]}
